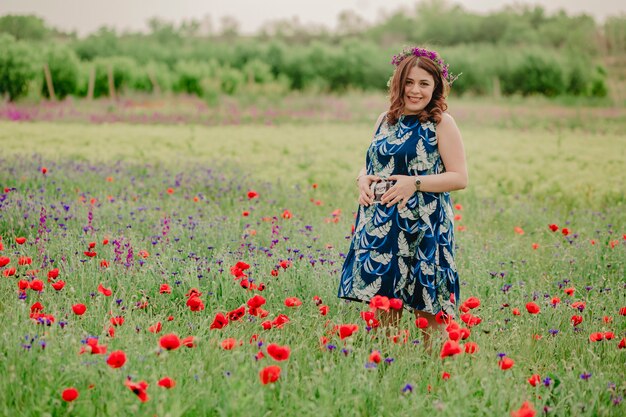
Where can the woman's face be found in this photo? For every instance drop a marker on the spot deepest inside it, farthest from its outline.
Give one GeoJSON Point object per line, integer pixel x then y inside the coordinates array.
{"type": "Point", "coordinates": [418, 90]}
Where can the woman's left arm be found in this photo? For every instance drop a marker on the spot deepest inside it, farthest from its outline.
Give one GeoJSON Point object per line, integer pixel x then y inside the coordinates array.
{"type": "Point", "coordinates": [450, 145]}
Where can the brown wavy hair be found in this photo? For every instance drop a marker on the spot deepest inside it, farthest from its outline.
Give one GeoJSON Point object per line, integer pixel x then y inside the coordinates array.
{"type": "Point", "coordinates": [437, 105]}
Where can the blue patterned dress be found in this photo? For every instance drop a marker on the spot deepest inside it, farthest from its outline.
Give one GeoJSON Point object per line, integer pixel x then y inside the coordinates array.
{"type": "Point", "coordinates": [408, 253]}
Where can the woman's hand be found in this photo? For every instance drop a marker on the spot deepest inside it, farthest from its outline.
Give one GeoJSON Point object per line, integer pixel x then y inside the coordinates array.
{"type": "Point", "coordinates": [366, 196]}
{"type": "Point", "coordinates": [401, 191]}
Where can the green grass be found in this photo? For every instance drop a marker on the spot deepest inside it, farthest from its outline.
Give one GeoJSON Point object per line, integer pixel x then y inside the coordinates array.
{"type": "Point", "coordinates": [526, 177]}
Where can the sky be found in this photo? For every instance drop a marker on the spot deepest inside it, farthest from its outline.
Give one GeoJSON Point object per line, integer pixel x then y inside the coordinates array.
{"type": "Point", "coordinates": [86, 16]}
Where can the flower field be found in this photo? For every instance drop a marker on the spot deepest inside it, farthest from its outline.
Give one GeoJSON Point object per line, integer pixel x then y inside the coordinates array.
{"type": "Point", "coordinates": [185, 270]}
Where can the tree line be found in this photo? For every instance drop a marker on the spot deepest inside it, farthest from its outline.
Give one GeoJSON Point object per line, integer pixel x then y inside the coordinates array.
{"type": "Point", "coordinates": [517, 50]}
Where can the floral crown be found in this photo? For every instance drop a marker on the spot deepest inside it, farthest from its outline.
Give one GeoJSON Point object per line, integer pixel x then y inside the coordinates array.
{"type": "Point", "coordinates": [432, 55]}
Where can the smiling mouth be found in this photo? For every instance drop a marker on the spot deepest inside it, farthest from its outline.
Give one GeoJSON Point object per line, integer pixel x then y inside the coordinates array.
{"type": "Point", "coordinates": [414, 99]}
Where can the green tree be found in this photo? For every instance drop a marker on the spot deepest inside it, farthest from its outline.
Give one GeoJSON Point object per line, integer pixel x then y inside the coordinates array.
{"type": "Point", "coordinates": [17, 67]}
{"type": "Point", "coordinates": [22, 27]}
{"type": "Point", "coordinates": [64, 68]}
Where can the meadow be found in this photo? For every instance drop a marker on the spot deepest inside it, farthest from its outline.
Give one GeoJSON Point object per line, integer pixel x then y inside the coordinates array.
{"type": "Point", "coordinates": [169, 216]}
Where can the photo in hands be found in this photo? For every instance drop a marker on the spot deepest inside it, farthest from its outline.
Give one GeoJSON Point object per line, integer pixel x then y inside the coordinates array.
{"type": "Point", "coordinates": [380, 188]}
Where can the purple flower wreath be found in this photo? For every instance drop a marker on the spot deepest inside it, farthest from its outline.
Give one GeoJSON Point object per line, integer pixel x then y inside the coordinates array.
{"type": "Point", "coordinates": [432, 55]}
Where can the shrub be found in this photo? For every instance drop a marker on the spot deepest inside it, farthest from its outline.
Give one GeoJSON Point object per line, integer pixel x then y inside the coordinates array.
{"type": "Point", "coordinates": [64, 68]}
{"type": "Point", "coordinates": [17, 67]}
{"type": "Point", "coordinates": [124, 72]}
{"type": "Point", "coordinates": [536, 74]}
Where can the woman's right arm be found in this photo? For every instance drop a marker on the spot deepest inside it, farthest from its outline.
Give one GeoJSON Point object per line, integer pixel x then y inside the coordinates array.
{"type": "Point", "coordinates": [364, 181]}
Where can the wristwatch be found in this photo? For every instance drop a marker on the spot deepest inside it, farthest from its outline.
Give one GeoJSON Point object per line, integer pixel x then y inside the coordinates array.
{"type": "Point", "coordinates": [418, 183]}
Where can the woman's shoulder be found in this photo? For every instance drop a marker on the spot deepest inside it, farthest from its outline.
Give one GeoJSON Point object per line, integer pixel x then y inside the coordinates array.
{"type": "Point", "coordinates": [380, 121]}
{"type": "Point", "coordinates": [446, 121]}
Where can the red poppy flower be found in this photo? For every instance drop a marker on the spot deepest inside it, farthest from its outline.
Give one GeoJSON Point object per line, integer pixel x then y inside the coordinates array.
{"type": "Point", "coordinates": [518, 230]}
{"type": "Point", "coordinates": [266, 325]}
{"type": "Point", "coordinates": [92, 346]}
{"type": "Point", "coordinates": [280, 320]}
{"type": "Point", "coordinates": [395, 303]}
{"type": "Point", "coordinates": [607, 319]}
{"type": "Point", "coordinates": [166, 382]}
{"type": "Point", "coordinates": [20, 240]}
{"type": "Point", "coordinates": [287, 214]}
{"type": "Point", "coordinates": [442, 318]}
{"type": "Point", "coordinates": [576, 320]}
{"type": "Point", "coordinates": [535, 246]}
{"type": "Point", "coordinates": [516, 312]}
{"type": "Point", "coordinates": [534, 380]}
{"type": "Point", "coordinates": [165, 289]}
{"type": "Point", "coordinates": [90, 254]}
{"type": "Point", "coordinates": [193, 292]}
{"type": "Point", "coordinates": [565, 231]}
{"type": "Point", "coordinates": [379, 302]}
{"type": "Point", "coordinates": [116, 359]}
{"type": "Point", "coordinates": [79, 309]}
{"type": "Point", "coordinates": [421, 322]}
{"type": "Point", "coordinates": [23, 284]}
{"type": "Point", "coordinates": [347, 330]}
{"type": "Point", "coordinates": [58, 286]}
{"type": "Point", "coordinates": [195, 304]}
{"type": "Point", "coordinates": [104, 263]}
{"type": "Point", "coordinates": [269, 374]}
{"type": "Point", "coordinates": [52, 274]}
{"type": "Point", "coordinates": [9, 272]}
{"type": "Point", "coordinates": [454, 334]}
{"type": "Point", "coordinates": [117, 320]}
{"type": "Point", "coordinates": [228, 344]}
{"type": "Point", "coordinates": [450, 348]}
{"type": "Point", "coordinates": [609, 335]}
{"type": "Point", "coordinates": [580, 305]}
{"type": "Point", "coordinates": [470, 320]}
{"type": "Point", "coordinates": [323, 310]}
{"type": "Point", "coordinates": [169, 342]}
{"type": "Point", "coordinates": [553, 227]}
{"type": "Point", "coordinates": [252, 194]}
{"type": "Point", "coordinates": [36, 307]}
{"type": "Point", "coordinates": [532, 308]}
{"type": "Point", "coordinates": [277, 352]}
{"type": "Point", "coordinates": [569, 291]}
{"type": "Point", "coordinates": [242, 265]}
{"type": "Point", "coordinates": [526, 410]}
{"type": "Point", "coordinates": [188, 341]}
{"type": "Point", "coordinates": [220, 321]}
{"type": "Point", "coordinates": [622, 311]}
{"type": "Point", "coordinates": [256, 301]}
{"type": "Point", "coordinates": [375, 357]}
{"type": "Point", "coordinates": [105, 291]}
{"type": "Point", "coordinates": [472, 303]}
{"type": "Point", "coordinates": [506, 363]}
{"type": "Point", "coordinates": [237, 313]}
{"type": "Point", "coordinates": [274, 272]}
{"type": "Point", "coordinates": [293, 302]}
{"type": "Point", "coordinates": [622, 344]}
{"type": "Point", "coordinates": [555, 300]}
{"type": "Point", "coordinates": [155, 328]}
{"type": "Point", "coordinates": [470, 347]}
{"type": "Point", "coordinates": [36, 285]}
{"type": "Point", "coordinates": [4, 261]}
{"type": "Point", "coordinates": [69, 394]}
{"type": "Point", "coordinates": [138, 389]}
{"type": "Point", "coordinates": [465, 332]}
{"type": "Point", "coordinates": [445, 375]}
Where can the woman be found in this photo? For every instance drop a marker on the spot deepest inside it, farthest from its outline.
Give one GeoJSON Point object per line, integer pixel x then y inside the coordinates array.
{"type": "Point", "coordinates": [403, 245]}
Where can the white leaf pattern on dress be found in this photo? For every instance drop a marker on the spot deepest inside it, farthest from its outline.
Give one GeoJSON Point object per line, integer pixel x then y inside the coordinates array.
{"type": "Point", "coordinates": [380, 231]}
{"type": "Point", "coordinates": [381, 258]}
{"type": "Point", "coordinates": [369, 291]}
{"type": "Point", "coordinates": [403, 245]}
{"type": "Point", "coordinates": [449, 258]}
